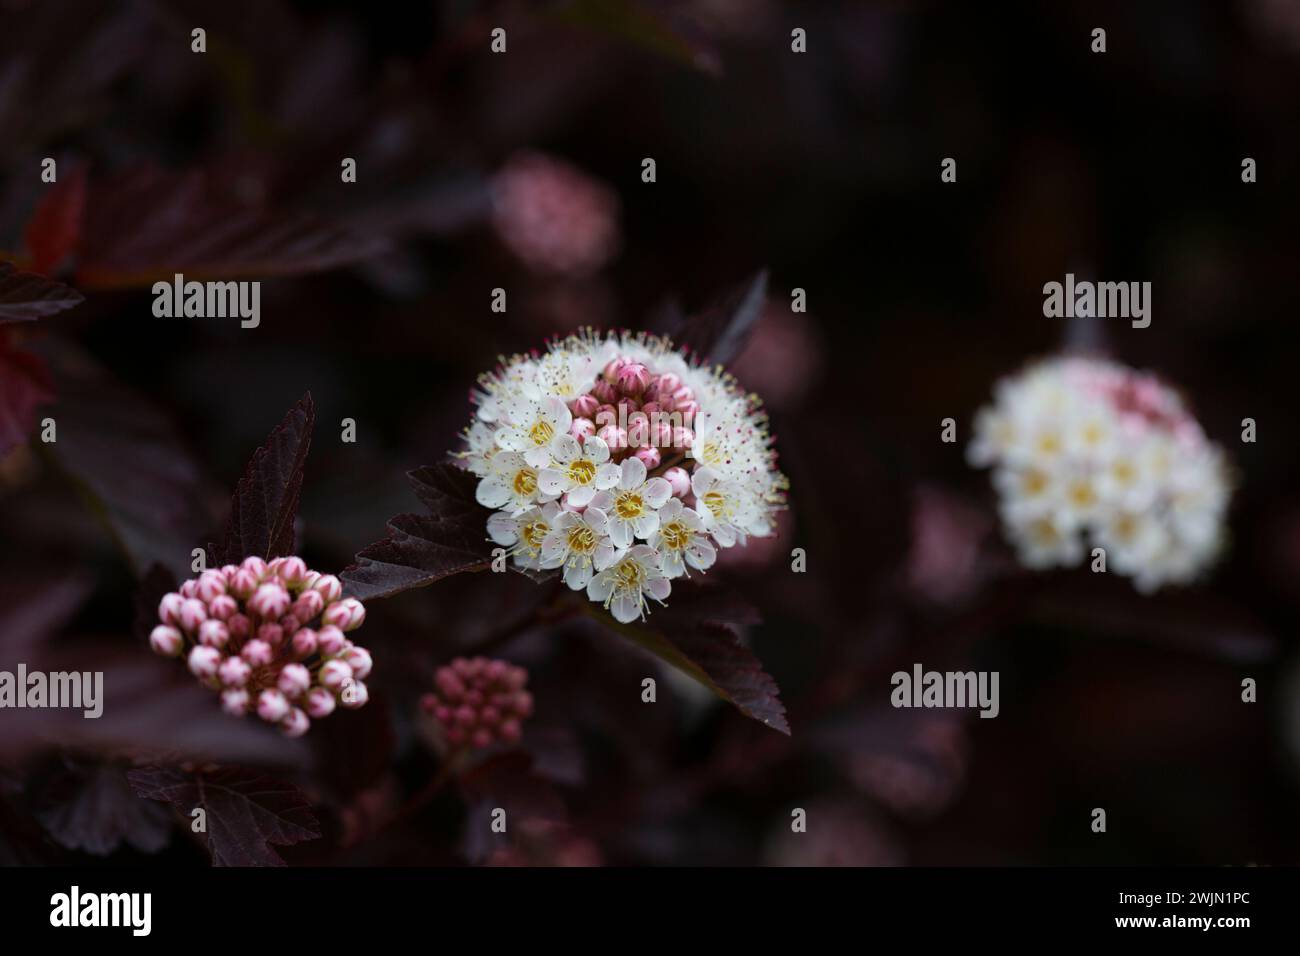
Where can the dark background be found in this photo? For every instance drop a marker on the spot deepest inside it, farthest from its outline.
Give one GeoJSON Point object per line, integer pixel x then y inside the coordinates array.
{"type": "Point", "coordinates": [824, 169]}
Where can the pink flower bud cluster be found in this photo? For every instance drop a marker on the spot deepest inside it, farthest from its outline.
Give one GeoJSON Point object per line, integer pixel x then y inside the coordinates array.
{"type": "Point", "coordinates": [555, 218]}
{"type": "Point", "coordinates": [479, 701]}
{"type": "Point", "coordinates": [270, 638]}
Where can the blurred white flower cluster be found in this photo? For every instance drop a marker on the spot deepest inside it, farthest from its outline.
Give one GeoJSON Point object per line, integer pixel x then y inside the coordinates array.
{"type": "Point", "coordinates": [1087, 453]}
{"type": "Point", "coordinates": [618, 462]}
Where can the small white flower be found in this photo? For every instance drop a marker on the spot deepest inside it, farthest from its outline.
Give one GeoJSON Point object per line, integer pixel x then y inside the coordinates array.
{"type": "Point", "coordinates": [623, 586]}
{"type": "Point", "coordinates": [532, 425]}
{"type": "Point", "coordinates": [523, 533]}
{"type": "Point", "coordinates": [511, 485]}
{"type": "Point", "coordinates": [578, 543]}
{"type": "Point", "coordinates": [681, 540]}
{"type": "Point", "coordinates": [724, 505]}
{"type": "Point", "coordinates": [632, 506]}
{"type": "Point", "coordinates": [580, 470]}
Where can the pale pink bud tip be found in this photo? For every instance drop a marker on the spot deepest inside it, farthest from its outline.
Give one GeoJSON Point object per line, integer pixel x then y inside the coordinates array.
{"type": "Point", "coordinates": [334, 674]}
{"type": "Point", "coordinates": [354, 695]}
{"type": "Point", "coordinates": [235, 702]}
{"type": "Point", "coordinates": [204, 661]}
{"type": "Point", "coordinates": [272, 706]}
{"type": "Point", "coordinates": [679, 480]}
{"type": "Point", "coordinates": [234, 672]}
{"type": "Point", "coordinates": [296, 724]}
{"type": "Point", "coordinates": [166, 640]}
{"type": "Point", "coordinates": [319, 703]}
{"type": "Point", "coordinates": [294, 680]}
{"type": "Point", "coordinates": [346, 615]}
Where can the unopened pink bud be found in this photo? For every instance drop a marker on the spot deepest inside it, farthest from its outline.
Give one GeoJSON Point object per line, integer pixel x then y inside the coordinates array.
{"type": "Point", "coordinates": [255, 565]}
{"type": "Point", "coordinates": [169, 608]}
{"type": "Point", "coordinates": [683, 393]}
{"type": "Point", "coordinates": [204, 661]}
{"type": "Point", "coordinates": [679, 480]}
{"type": "Point", "coordinates": [234, 701]}
{"type": "Point", "coordinates": [243, 583]}
{"type": "Point", "coordinates": [582, 429]}
{"type": "Point", "coordinates": [584, 406]}
{"type": "Point", "coordinates": [190, 590]}
{"type": "Point", "coordinates": [213, 634]}
{"type": "Point", "coordinates": [649, 457]}
{"type": "Point", "coordinates": [234, 672]}
{"type": "Point", "coordinates": [294, 680]}
{"type": "Point", "coordinates": [319, 703]}
{"type": "Point", "coordinates": [239, 626]}
{"type": "Point", "coordinates": [329, 587]}
{"type": "Point", "coordinates": [354, 695]}
{"type": "Point", "coordinates": [330, 640]}
{"type": "Point", "coordinates": [614, 437]}
{"type": "Point", "coordinates": [289, 624]}
{"type": "Point", "coordinates": [605, 393]}
{"type": "Point", "coordinates": [669, 383]}
{"type": "Point", "coordinates": [223, 607]}
{"type": "Point", "coordinates": [683, 437]}
{"type": "Point", "coordinates": [638, 429]}
{"type": "Point", "coordinates": [258, 653]}
{"type": "Point", "coordinates": [510, 731]}
{"type": "Point", "coordinates": [304, 643]}
{"type": "Point", "coordinates": [481, 737]}
{"type": "Point", "coordinates": [211, 584]}
{"type": "Point", "coordinates": [633, 378]}
{"type": "Point", "coordinates": [166, 640]}
{"type": "Point", "coordinates": [523, 703]}
{"type": "Point", "coordinates": [271, 634]}
{"type": "Point", "coordinates": [296, 724]}
{"type": "Point", "coordinates": [308, 605]}
{"type": "Point", "coordinates": [612, 368]}
{"type": "Point", "coordinates": [270, 602]}
{"type": "Point", "coordinates": [334, 674]}
{"type": "Point", "coordinates": [272, 706]}
{"type": "Point", "coordinates": [346, 615]}
{"type": "Point", "coordinates": [651, 409]}
{"type": "Point", "coordinates": [358, 658]}
{"type": "Point", "coordinates": [292, 571]}
{"type": "Point", "coordinates": [688, 411]}
{"type": "Point", "coordinates": [193, 613]}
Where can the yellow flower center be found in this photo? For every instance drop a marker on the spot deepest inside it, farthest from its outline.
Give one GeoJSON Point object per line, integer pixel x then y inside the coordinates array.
{"type": "Point", "coordinates": [1035, 482]}
{"type": "Point", "coordinates": [581, 539]}
{"type": "Point", "coordinates": [542, 433]}
{"type": "Point", "coordinates": [629, 505]}
{"type": "Point", "coordinates": [1044, 530]}
{"type": "Point", "coordinates": [717, 503]}
{"type": "Point", "coordinates": [676, 536]}
{"type": "Point", "coordinates": [1126, 527]}
{"type": "Point", "coordinates": [1124, 472]}
{"type": "Point", "coordinates": [711, 453]}
{"type": "Point", "coordinates": [629, 576]}
{"type": "Point", "coordinates": [582, 471]}
{"type": "Point", "coordinates": [525, 482]}
{"type": "Point", "coordinates": [533, 533]}
{"type": "Point", "coordinates": [1082, 495]}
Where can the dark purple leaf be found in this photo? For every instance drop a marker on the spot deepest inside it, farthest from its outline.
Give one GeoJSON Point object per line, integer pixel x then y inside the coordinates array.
{"type": "Point", "coordinates": [265, 504]}
{"type": "Point", "coordinates": [247, 812]}
{"type": "Point", "coordinates": [149, 224]}
{"type": "Point", "coordinates": [697, 633]}
{"type": "Point", "coordinates": [422, 549]}
{"type": "Point", "coordinates": [131, 461]}
{"type": "Point", "coordinates": [92, 808]}
{"type": "Point", "coordinates": [34, 605]}
{"type": "Point", "coordinates": [720, 332]}
{"type": "Point", "coordinates": [25, 296]}
{"type": "Point", "coordinates": [52, 232]}
{"type": "Point", "coordinates": [507, 781]}
{"type": "Point", "coordinates": [24, 386]}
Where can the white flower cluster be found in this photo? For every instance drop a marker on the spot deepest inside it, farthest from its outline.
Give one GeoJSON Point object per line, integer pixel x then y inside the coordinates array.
{"type": "Point", "coordinates": [618, 462]}
{"type": "Point", "coordinates": [1087, 453]}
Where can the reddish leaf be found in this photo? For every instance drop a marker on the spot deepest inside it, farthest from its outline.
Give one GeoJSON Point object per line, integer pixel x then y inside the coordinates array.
{"type": "Point", "coordinates": [25, 296]}
{"type": "Point", "coordinates": [24, 386]}
{"type": "Point", "coordinates": [91, 807]}
{"type": "Point", "coordinates": [131, 461]}
{"type": "Point", "coordinates": [265, 504]}
{"type": "Point", "coordinates": [697, 632]}
{"type": "Point", "coordinates": [149, 224]}
{"type": "Point", "coordinates": [52, 232]}
{"type": "Point", "coordinates": [422, 549]}
{"type": "Point", "coordinates": [247, 812]}
{"type": "Point", "coordinates": [720, 332]}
